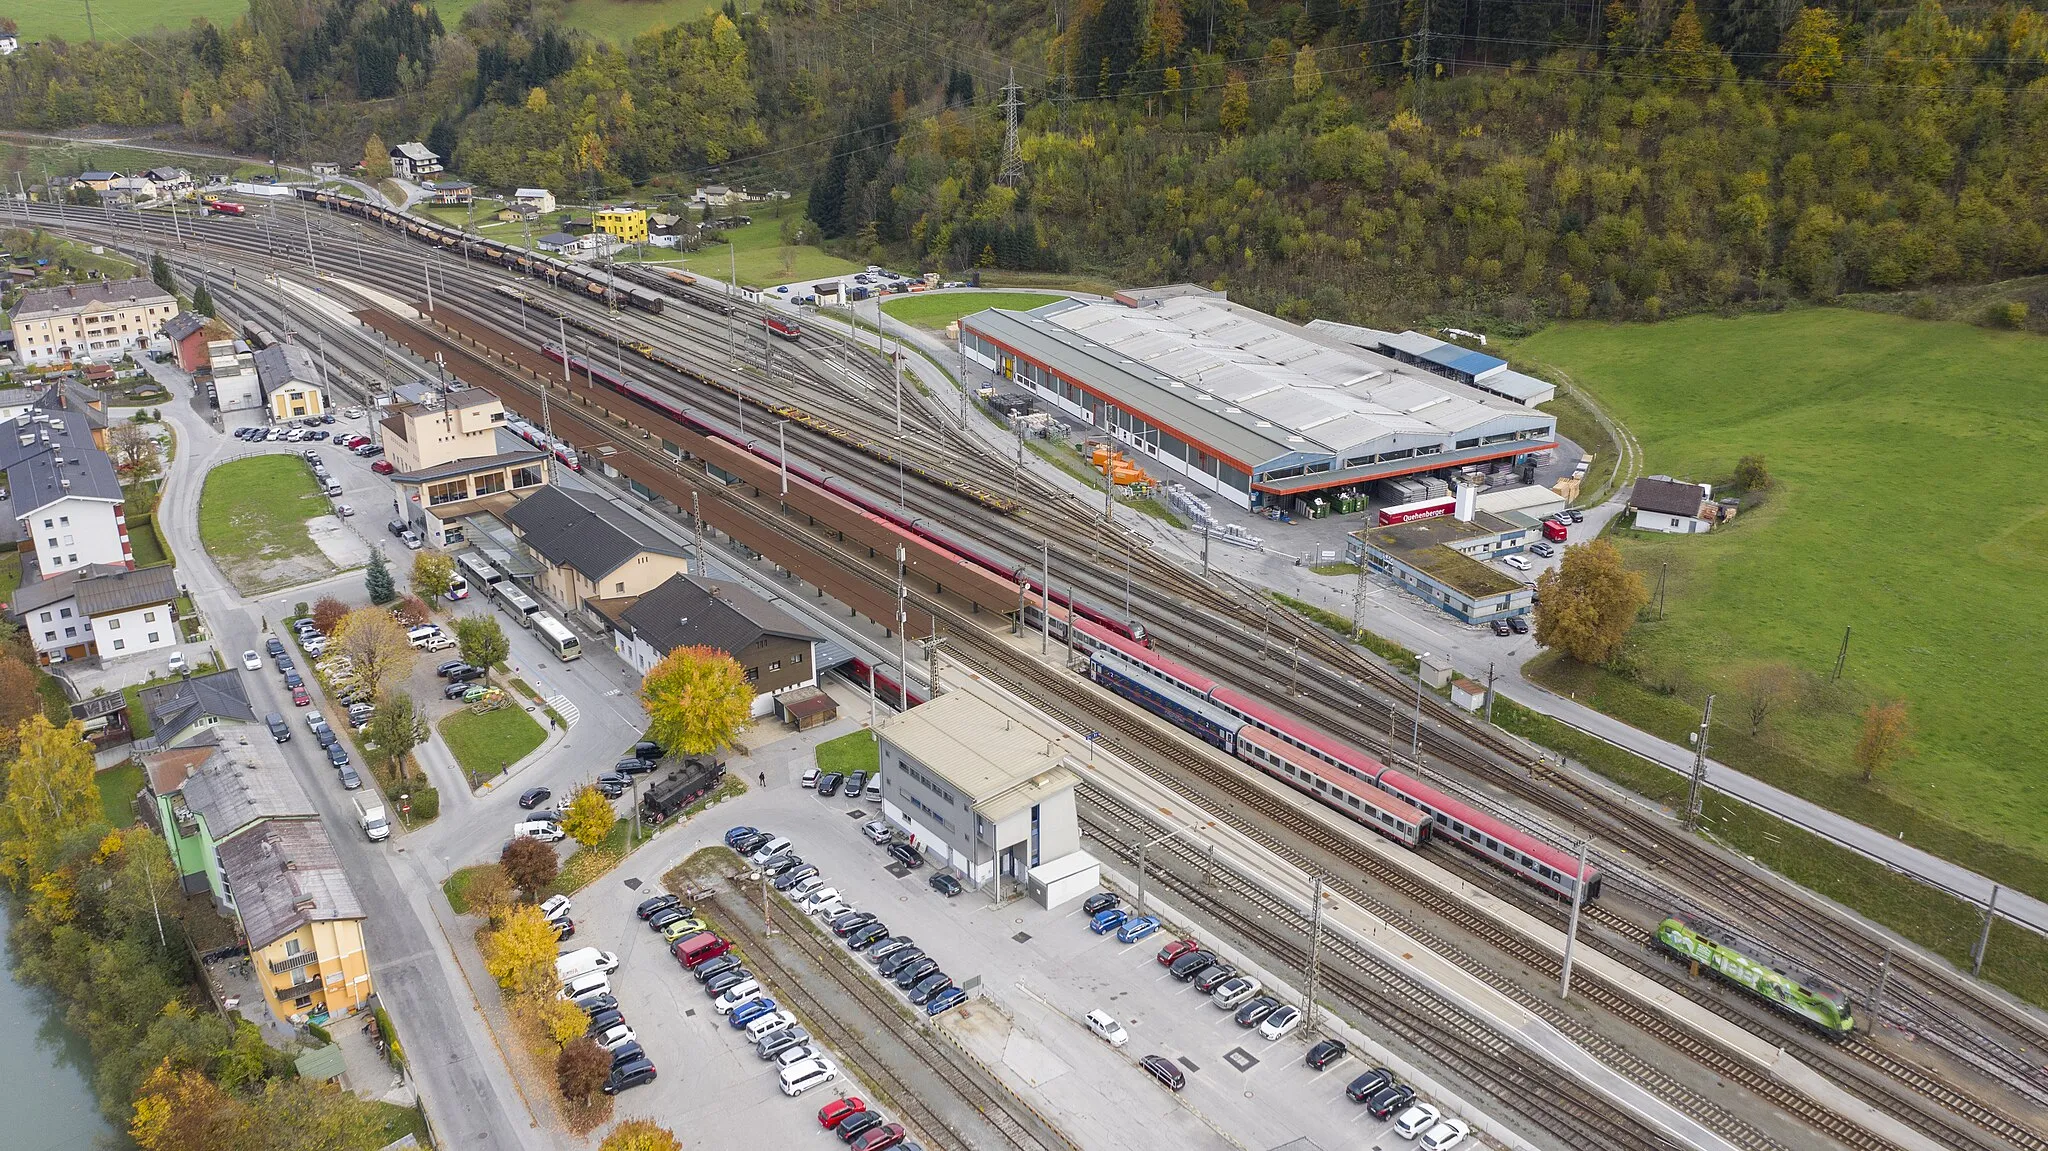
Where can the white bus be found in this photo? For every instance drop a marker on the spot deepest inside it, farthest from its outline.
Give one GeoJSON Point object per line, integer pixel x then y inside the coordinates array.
{"type": "Point", "coordinates": [521, 605]}
{"type": "Point", "coordinates": [472, 565]}
{"type": "Point", "coordinates": [458, 588]}
{"type": "Point", "coordinates": [559, 639]}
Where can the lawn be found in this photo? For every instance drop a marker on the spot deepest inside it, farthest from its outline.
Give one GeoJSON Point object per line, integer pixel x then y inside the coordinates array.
{"type": "Point", "coordinates": [10, 575]}
{"type": "Point", "coordinates": [30, 158]}
{"type": "Point", "coordinates": [253, 513]}
{"type": "Point", "coordinates": [1904, 507]}
{"type": "Point", "coordinates": [456, 886]}
{"type": "Point", "coordinates": [118, 19]}
{"type": "Point", "coordinates": [762, 256]}
{"type": "Point", "coordinates": [118, 785]}
{"type": "Point", "coordinates": [485, 744]}
{"type": "Point", "coordinates": [619, 21]}
{"type": "Point", "coordinates": [929, 311]}
{"type": "Point", "coordinates": [854, 751]}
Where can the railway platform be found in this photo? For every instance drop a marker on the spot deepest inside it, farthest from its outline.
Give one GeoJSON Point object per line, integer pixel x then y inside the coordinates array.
{"type": "Point", "coordinates": [1509, 1017]}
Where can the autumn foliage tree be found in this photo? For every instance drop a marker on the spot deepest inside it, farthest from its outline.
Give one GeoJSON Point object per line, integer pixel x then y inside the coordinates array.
{"type": "Point", "coordinates": [481, 641]}
{"type": "Point", "coordinates": [698, 698]}
{"type": "Point", "coordinates": [530, 863]}
{"type": "Point", "coordinates": [1886, 738]}
{"type": "Point", "coordinates": [640, 1135]}
{"type": "Point", "coordinates": [1588, 603]}
{"type": "Point", "coordinates": [19, 699]}
{"type": "Point", "coordinates": [432, 574]}
{"type": "Point", "coordinates": [581, 1069]}
{"type": "Point", "coordinates": [520, 953]}
{"type": "Point", "coordinates": [1812, 50]}
{"type": "Point", "coordinates": [376, 644]}
{"type": "Point", "coordinates": [589, 817]}
{"type": "Point", "coordinates": [49, 795]}
{"type": "Point", "coordinates": [327, 613]}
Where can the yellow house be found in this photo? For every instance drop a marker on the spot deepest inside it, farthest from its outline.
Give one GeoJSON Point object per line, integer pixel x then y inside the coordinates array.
{"type": "Point", "coordinates": [586, 548]}
{"type": "Point", "coordinates": [302, 921]}
{"type": "Point", "coordinates": [627, 225]}
{"type": "Point", "coordinates": [291, 383]}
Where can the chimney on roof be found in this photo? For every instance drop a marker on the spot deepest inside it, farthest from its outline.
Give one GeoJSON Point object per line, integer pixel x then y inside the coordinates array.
{"type": "Point", "coordinates": [304, 902]}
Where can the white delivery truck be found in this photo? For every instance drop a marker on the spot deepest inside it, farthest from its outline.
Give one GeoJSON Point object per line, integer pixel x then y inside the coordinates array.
{"type": "Point", "coordinates": [584, 961]}
{"type": "Point", "coordinates": [371, 818]}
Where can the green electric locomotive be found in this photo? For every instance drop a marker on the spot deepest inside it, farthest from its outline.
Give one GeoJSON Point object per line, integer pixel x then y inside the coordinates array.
{"type": "Point", "coordinates": [1721, 953]}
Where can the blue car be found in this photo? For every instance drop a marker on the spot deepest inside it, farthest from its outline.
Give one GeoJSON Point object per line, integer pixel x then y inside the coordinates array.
{"type": "Point", "coordinates": [1107, 921]}
{"type": "Point", "coordinates": [1136, 929]}
{"type": "Point", "coordinates": [751, 1010]}
{"type": "Point", "coordinates": [945, 1001]}
{"type": "Point", "coordinates": [737, 834]}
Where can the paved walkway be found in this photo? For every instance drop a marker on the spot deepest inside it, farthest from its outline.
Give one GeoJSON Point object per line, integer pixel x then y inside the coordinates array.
{"type": "Point", "coordinates": [1473, 650]}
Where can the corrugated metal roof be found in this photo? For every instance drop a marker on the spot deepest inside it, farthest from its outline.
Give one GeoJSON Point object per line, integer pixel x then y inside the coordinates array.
{"type": "Point", "coordinates": [285, 875]}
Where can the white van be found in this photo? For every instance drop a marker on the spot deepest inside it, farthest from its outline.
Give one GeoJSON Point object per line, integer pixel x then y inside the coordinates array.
{"type": "Point", "coordinates": [801, 1077]}
{"type": "Point", "coordinates": [1103, 1024]}
{"type": "Point", "coordinates": [768, 1025]}
{"type": "Point", "coordinates": [424, 634]}
{"type": "Point", "coordinates": [545, 830]}
{"type": "Point", "coordinates": [582, 986]}
{"type": "Point", "coordinates": [771, 849]}
{"type": "Point", "coordinates": [583, 961]}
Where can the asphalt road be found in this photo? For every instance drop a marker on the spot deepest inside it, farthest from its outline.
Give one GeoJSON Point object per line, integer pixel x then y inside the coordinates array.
{"type": "Point", "coordinates": [460, 1073]}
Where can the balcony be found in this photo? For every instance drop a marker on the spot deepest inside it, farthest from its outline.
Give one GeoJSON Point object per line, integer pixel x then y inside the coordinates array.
{"type": "Point", "coordinates": [288, 994]}
{"type": "Point", "coordinates": [302, 959]}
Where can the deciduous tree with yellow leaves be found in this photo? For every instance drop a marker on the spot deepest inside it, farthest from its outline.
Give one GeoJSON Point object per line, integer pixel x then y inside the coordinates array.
{"type": "Point", "coordinates": [697, 698]}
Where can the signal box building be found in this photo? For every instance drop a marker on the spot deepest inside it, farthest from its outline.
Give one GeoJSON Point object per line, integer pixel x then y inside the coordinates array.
{"type": "Point", "coordinates": [982, 788]}
{"type": "Point", "coordinates": [1250, 407]}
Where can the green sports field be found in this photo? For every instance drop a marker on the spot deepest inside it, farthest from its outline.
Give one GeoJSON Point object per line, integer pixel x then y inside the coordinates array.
{"type": "Point", "coordinates": [1908, 505]}
{"type": "Point", "coordinates": [928, 311]}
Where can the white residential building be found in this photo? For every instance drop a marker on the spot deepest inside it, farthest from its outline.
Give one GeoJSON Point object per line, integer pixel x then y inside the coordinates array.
{"type": "Point", "coordinates": [100, 610]}
{"type": "Point", "coordinates": [412, 161]}
{"type": "Point", "coordinates": [67, 501]}
{"type": "Point", "coordinates": [539, 199]}
{"type": "Point", "coordinates": [94, 322]}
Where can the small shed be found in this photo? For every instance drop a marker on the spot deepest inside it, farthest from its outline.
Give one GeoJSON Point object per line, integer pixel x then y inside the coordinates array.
{"type": "Point", "coordinates": [1468, 694]}
{"type": "Point", "coordinates": [322, 1064]}
{"type": "Point", "coordinates": [806, 708]}
{"type": "Point", "coordinates": [1436, 669]}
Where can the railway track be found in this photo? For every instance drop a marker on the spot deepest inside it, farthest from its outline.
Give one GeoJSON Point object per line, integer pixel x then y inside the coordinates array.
{"type": "Point", "coordinates": [1227, 605]}
{"type": "Point", "coordinates": [1454, 1038]}
{"type": "Point", "coordinates": [1009, 1122]}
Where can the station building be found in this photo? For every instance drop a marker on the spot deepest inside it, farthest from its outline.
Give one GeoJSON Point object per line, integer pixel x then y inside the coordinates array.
{"type": "Point", "coordinates": [977, 784]}
{"type": "Point", "coordinates": [1250, 407]}
{"type": "Point", "coordinates": [1443, 560]}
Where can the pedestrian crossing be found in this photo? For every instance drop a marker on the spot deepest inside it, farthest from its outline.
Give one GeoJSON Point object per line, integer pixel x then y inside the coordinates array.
{"type": "Point", "coordinates": [565, 709]}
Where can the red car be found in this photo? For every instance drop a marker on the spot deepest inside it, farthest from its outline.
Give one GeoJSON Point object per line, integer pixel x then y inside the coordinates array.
{"type": "Point", "coordinates": [835, 1112]}
{"type": "Point", "coordinates": [1175, 950]}
{"type": "Point", "coordinates": [300, 697]}
{"type": "Point", "coordinates": [880, 1139]}
{"type": "Point", "coordinates": [351, 441]}
{"type": "Point", "coordinates": [383, 467]}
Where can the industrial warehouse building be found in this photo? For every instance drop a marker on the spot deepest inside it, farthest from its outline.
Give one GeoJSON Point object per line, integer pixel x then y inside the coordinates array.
{"type": "Point", "coordinates": [978, 783]}
{"type": "Point", "coordinates": [1442, 559]}
{"type": "Point", "coordinates": [1252, 408]}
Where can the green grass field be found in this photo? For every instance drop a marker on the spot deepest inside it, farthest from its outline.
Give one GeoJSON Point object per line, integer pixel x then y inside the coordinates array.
{"type": "Point", "coordinates": [762, 256]}
{"type": "Point", "coordinates": [33, 158]}
{"type": "Point", "coordinates": [253, 512]}
{"type": "Point", "coordinates": [484, 744]}
{"type": "Point", "coordinates": [928, 311]}
{"type": "Point", "coordinates": [854, 751]}
{"type": "Point", "coordinates": [1905, 507]}
{"type": "Point", "coordinates": [621, 20]}
{"type": "Point", "coordinates": [118, 785]}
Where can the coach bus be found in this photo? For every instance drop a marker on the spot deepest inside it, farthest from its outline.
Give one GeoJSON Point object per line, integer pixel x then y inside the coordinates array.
{"type": "Point", "coordinates": [521, 605]}
{"type": "Point", "coordinates": [559, 639]}
{"type": "Point", "coordinates": [458, 587]}
{"type": "Point", "coordinates": [479, 573]}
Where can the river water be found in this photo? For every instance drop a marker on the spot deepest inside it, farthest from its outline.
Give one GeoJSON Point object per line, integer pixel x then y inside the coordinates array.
{"type": "Point", "coordinates": [45, 1074]}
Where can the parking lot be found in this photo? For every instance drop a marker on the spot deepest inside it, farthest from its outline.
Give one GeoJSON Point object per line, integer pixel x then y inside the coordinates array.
{"type": "Point", "coordinates": [1038, 974]}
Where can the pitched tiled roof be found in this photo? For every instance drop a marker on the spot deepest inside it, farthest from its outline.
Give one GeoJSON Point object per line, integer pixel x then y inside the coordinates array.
{"type": "Point", "coordinates": [67, 298]}
{"type": "Point", "coordinates": [125, 590]}
{"type": "Point", "coordinates": [682, 612]}
{"type": "Point", "coordinates": [184, 324]}
{"type": "Point", "coordinates": [281, 365]}
{"type": "Point", "coordinates": [1666, 496]}
{"type": "Point", "coordinates": [284, 876]}
{"type": "Point", "coordinates": [173, 706]}
{"type": "Point", "coordinates": [583, 531]}
{"type": "Point", "coordinates": [35, 478]}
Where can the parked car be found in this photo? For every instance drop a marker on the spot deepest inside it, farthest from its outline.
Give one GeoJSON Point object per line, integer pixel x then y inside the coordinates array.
{"type": "Point", "coordinates": [1369, 1084]}
{"type": "Point", "coordinates": [279, 730]}
{"type": "Point", "coordinates": [1519, 624]}
{"type": "Point", "coordinates": [864, 936]}
{"type": "Point", "coordinates": [837, 1111]}
{"type": "Point", "coordinates": [251, 660]}
{"type": "Point", "coordinates": [945, 1001]}
{"type": "Point", "coordinates": [1175, 950]}
{"type": "Point", "coordinates": [1542, 548]}
{"type": "Point", "coordinates": [1500, 627]}
{"type": "Point", "coordinates": [633, 1073]}
{"type": "Point", "coordinates": [1216, 976]}
{"type": "Point", "coordinates": [1107, 921]}
{"type": "Point", "coordinates": [898, 960]}
{"type": "Point", "coordinates": [533, 797]}
{"type": "Point", "coordinates": [828, 784]}
{"type": "Point", "coordinates": [1280, 1024]}
{"type": "Point", "coordinates": [1327, 1052]}
{"type": "Point", "coordinates": [1255, 1011]}
{"type": "Point", "coordinates": [1234, 992]}
{"type": "Point", "coordinates": [908, 975]}
{"type": "Point", "coordinates": [855, 783]}
{"type": "Point", "coordinates": [734, 835]}
{"type": "Point", "coordinates": [381, 467]}
{"type": "Point", "coordinates": [1099, 902]}
{"type": "Point", "coordinates": [350, 781]}
{"type": "Point", "coordinates": [945, 884]}
{"type": "Point", "coordinates": [1192, 964]}
{"type": "Point", "coordinates": [1445, 1135]}
{"type": "Point", "coordinates": [854, 1126]}
{"type": "Point", "coordinates": [879, 1139]}
{"type": "Point", "coordinates": [851, 922]}
{"type": "Point", "coordinates": [1134, 930]}
{"type": "Point", "coordinates": [777, 1042]}
{"type": "Point", "coordinates": [1164, 1070]}
{"type": "Point", "coordinates": [810, 777]}
{"type": "Point", "coordinates": [877, 831]}
{"type": "Point", "coordinates": [1106, 1028]}
{"type": "Point", "coordinates": [906, 855]}
{"type": "Point", "coordinates": [926, 988]}
{"type": "Point", "coordinates": [1417, 1119]}
{"type": "Point", "coordinates": [1389, 1100]}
